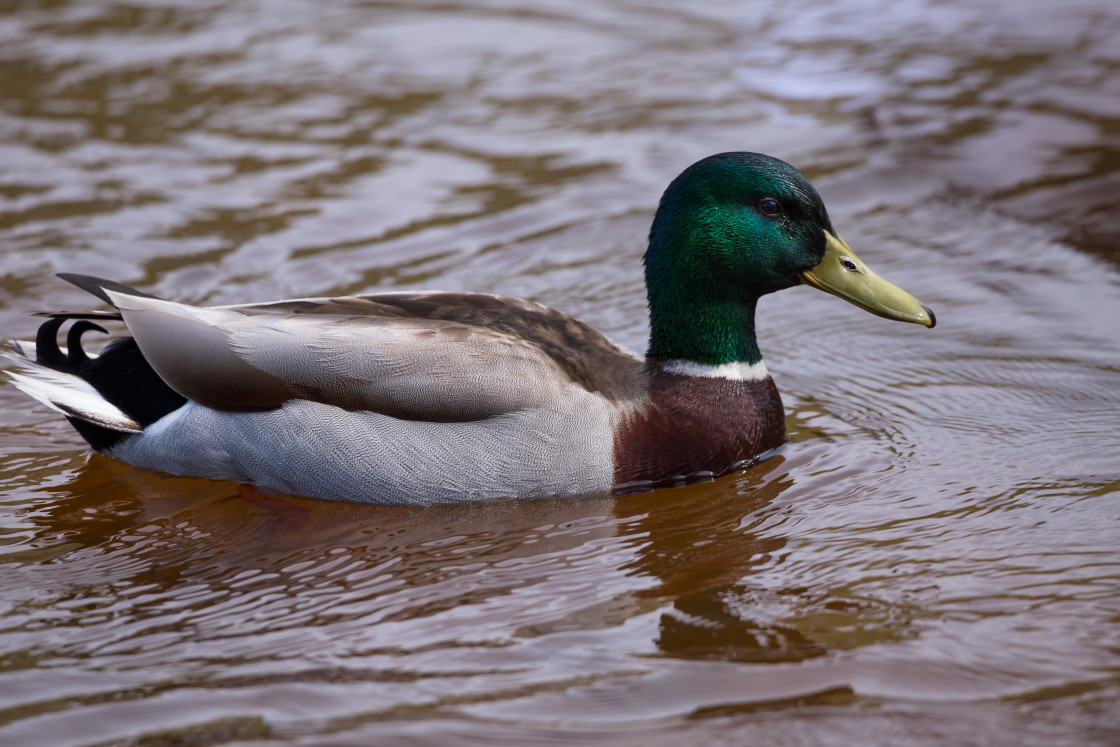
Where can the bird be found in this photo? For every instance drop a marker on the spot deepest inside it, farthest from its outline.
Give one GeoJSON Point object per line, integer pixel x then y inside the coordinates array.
{"type": "Point", "coordinates": [424, 397]}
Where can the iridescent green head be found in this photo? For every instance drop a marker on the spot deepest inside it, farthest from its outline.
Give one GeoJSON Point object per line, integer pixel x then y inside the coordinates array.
{"type": "Point", "coordinates": [732, 228]}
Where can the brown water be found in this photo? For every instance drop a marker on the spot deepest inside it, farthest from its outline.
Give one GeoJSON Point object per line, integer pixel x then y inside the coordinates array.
{"type": "Point", "coordinates": [934, 558]}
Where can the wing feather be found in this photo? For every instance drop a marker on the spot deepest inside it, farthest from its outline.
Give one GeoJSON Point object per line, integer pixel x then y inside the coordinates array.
{"type": "Point", "coordinates": [443, 356]}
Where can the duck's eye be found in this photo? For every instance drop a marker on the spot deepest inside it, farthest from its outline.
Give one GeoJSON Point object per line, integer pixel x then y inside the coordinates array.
{"type": "Point", "coordinates": [769, 206]}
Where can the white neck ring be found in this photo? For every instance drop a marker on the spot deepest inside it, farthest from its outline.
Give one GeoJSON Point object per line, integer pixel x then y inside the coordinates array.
{"type": "Point", "coordinates": [734, 371]}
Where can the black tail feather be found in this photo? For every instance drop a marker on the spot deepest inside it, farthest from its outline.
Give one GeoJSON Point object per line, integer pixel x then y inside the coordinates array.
{"type": "Point", "coordinates": [98, 286]}
{"type": "Point", "coordinates": [115, 315]}
{"type": "Point", "coordinates": [120, 374]}
{"type": "Point", "coordinates": [47, 351]}
{"type": "Point", "coordinates": [74, 349]}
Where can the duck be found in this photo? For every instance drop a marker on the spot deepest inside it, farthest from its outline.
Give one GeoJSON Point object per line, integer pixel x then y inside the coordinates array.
{"type": "Point", "coordinates": [423, 397]}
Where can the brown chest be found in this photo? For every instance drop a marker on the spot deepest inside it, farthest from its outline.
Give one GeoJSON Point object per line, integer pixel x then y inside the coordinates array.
{"type": "Point", "coordinates": [693, 428]}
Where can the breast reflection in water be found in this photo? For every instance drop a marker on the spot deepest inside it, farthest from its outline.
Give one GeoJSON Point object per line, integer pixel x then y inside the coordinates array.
{"type": "Point", "coordinates": [717, 611]}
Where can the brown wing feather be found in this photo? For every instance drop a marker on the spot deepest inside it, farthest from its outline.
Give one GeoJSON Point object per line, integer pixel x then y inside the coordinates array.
{"type": "Point", "coordinates": [425, 356]}
{"type": "Point", "coordinates": [584, 354]}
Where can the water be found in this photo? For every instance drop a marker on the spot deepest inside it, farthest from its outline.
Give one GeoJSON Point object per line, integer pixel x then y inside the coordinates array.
{"type": "Point", "coordinates": [931, 559]}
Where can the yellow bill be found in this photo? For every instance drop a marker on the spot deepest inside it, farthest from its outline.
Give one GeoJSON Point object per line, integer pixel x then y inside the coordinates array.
{"type": "Point", "coordinates": [843, 274]}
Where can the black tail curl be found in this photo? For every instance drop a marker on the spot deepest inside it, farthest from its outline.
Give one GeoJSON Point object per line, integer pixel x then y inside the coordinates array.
{"type": "Point", "coordinates": [49, 354]}
{"type": "Point", "coordinates": [120, 374]}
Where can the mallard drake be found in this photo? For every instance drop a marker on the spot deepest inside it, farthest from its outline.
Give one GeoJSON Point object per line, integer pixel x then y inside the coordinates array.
{"type": "Point", "coordinates": [423, 397]}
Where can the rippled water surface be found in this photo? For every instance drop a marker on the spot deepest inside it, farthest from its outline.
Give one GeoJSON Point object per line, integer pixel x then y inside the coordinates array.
{"type": "Point", "coordinates": [933, 558]}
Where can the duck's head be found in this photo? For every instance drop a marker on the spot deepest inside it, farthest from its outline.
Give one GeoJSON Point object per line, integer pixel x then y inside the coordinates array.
{"type": "Point", "coordinates": [732, 228]}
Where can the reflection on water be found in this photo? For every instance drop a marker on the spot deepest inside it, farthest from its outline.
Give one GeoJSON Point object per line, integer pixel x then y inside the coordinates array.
{"type": "Point", "coordinates": [931, 559]}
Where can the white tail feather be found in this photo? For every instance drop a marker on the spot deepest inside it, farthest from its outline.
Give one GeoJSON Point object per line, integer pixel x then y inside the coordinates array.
{"type": "Point", "coordinates": [23, 349]}
{"type": "Point", "coordinates": [70, 395]}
